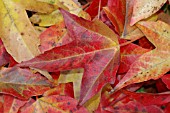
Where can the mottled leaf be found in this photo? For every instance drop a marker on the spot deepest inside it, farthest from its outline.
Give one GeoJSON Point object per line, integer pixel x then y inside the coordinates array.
{"type": "Point", "coordinates": [61, 89]}
{"type": "Point", "coordinates": [27, 104]}
{"type": "Point", "coordinates": [12, 104]}
{"type": "Point", "coordinates": [17, 33]}
{"type": "Point", "coordinates": [130, 32]}
{"type": "Point", "coordinates": [134, 107]}
{"type": "Point", "coordinates": [94, 48]}
{"type": "Point", "coordinates": [153, 64]}
{"type": "Point", "coordinates": [143, 9]}
{"type": "Point", "coordinates": [149, 98]}
{"type": "Point", "coordinates": [22, 83]}
{"type": "Point", "coordinates": [129, 54]}
{"type": "Point", "coordinates": [52, 37]}
{"type": "Point", "coordinates": [55, 104]}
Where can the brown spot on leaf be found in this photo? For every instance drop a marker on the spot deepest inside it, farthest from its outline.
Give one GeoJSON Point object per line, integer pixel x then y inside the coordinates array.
{"type": "Point", "coordinates": [22, 33]}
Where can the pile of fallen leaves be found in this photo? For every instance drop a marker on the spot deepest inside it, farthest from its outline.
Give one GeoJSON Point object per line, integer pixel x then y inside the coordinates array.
{"type": "Point", "coordinates": [102, 56]}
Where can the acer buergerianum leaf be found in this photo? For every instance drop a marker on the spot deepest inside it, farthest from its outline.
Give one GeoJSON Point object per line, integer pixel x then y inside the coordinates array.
{"type": "Point", "coordinates": [143, 9]}
{"type": "Point", "coordinates": [94, 47]}
{"type": "Point", "coordinates": [22, 83]}
{"type": "Point", "coordinates": [18, 35]}
{"type": "Point", "coordinates": [55, 104]}
{"type": "Point", "coordinates": [155, 63]}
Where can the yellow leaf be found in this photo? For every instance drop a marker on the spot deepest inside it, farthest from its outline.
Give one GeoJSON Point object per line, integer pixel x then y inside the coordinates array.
{"type": "Point", "coordinates": [18, 35]}
{"type": "Point", "coordinates": [74, 76]}
{"type": "Point", "coordinates": [48, 19]}
{"type": "Point", "coordinates": [92, 104]}
{"type": "Point", "coordinates": [45, 73]}
{"type": "Point", "coordinates": [36, 6]}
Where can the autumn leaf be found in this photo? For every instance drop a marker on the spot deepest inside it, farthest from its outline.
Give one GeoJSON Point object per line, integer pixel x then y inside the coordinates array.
{"type": "Point", "coordinates": [27, 104]}
{"type": "Point", "coordinates": [4, 56]}
{"type": "Point", "coordinates": [165, 79]}
{"type": "Point", "coordinates": [83, 51]}
{"type": "Point", "coordinates": [117, 13]}
{"type": "Point", "coordinates": [84, 56]}
{"type": "Point", "coordinates": [143, 9]}
{"type": "Point", "coordinates": [153, 64]}
{"type": "Point", "coordinates": [134, 107]}
{"type": "Point", "coordinates": [94, 9]}
{"type": "Point", "coordinates": [12, 104]}
{"type": "Point", "coordinates": [17, 33]}
{"type": "Point", "coordinates": [164, 17]}
{"type": "Point", "coordinates": [129, 54]}
{"type": "Point", "coordinates": [36, 6]}
{"type": "Point", "coordinates": [22, 83]}
{"type": "Point", "coordinates": [74, 76]}
{"type": "Point", "coordinates": [55, 104]}
{"type": "Point", "coordinates": [61, 89]}
{"type": "Point", "coordinates": [149, 98]}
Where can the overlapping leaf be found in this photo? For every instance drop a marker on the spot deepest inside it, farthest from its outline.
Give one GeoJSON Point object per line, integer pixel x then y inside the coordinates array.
{"type": "Point", "coordinates": [74, 76]}
{"type": "Point", "coordinates": [143, 9]}
{"type": "Point", "coordinates": [129, 54]}
{"type": "Point", "coordinates": [4, 56]}
{"type": "Point", "coordinates": [12, 104]}
{"type": "Point", "coordinates": [36, 6]}
{"type": "Point", "coordinates": [150, 99]}
{"type": "Point", "coordinates": [95, 48]}
{"type": "Point", "coordinates": [116, 13]}
{"type": "Point", "coordinates": [93, 9]}
{"type": "Point", "coordinates": [134, 107]}
{"type": "Point", "coordinates": [153, 64]}
{"type": "Point", "coordinates": [22, 83]}
{"type": "Point", "coordinates": [165, 79]}
{"type": "Point", "coordinates": [55, 104]}
{"type": "Point", "coordinates": [16, 27]}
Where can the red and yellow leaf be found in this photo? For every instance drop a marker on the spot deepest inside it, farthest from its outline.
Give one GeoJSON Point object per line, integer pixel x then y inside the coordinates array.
{"type": "Point", "coordinates": [22, 83]}
{"type": "Point", "coordinates": [153, 64]}
{"type": "Point", "coordinates": [143, 9]}
{"type": "Point", "coordinates": [55, 104]}
{"type": "Point", "coordinates": [17, 33]}
{"type": "Point", "coordinates": [95, 47]}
